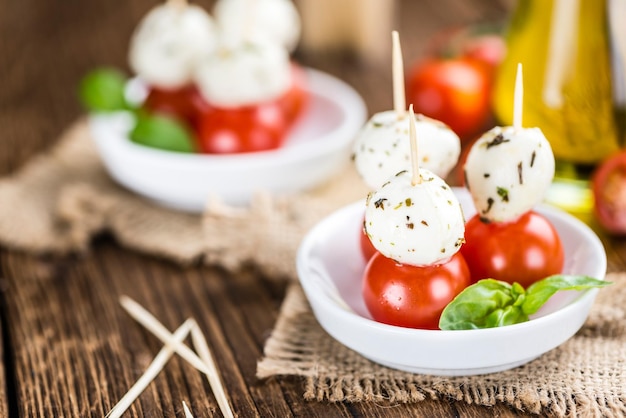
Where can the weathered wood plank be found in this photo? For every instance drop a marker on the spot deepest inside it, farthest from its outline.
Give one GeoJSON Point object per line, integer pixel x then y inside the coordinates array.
{"type": "Point", "coordinates": [6, 380]}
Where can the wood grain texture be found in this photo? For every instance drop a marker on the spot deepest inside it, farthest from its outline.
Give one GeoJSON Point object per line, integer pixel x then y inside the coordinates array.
{"type": "Point", "coordinates": [69, 349]}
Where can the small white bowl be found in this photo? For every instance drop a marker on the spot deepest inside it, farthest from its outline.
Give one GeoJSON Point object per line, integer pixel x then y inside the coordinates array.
{"type": "Point", "coordinates": [330, 267]}
{"type": "Point", "coordinates": [316, 149]}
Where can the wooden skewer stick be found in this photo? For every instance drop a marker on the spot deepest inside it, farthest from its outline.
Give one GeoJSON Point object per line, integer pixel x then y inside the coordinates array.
{"type": "Point", "coordinates": [202, 348]}
{"type": "Point", "coordinates": [178, 4]}
{"type": "Point", "coordinates": [151, 372]}
{"type": "Point", "coordinates": [416, 179]}
{"type": "Point", "coordinates": [397, 72]}
{"type": "Point", "coordinates": [204, 362]}
{"type": "Point", "coordinates": [518, 99]}
{"type": "Point", "coordinates": [249, 20]}
{"type": "Point", "coordinates": [187, 411]}
{"type": "Point", "coordinates": [145, 318]}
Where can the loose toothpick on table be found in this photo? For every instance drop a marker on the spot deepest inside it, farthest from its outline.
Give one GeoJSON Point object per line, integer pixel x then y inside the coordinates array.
{"type": "Point", "coordinates": [152, 371]}
{"type": "Point", "coordinates": [173, 343]}
{"type": "Point", "coordinates": [518, 98]}
{"type": "Point", "coordinates": [397, 72]}
{"type": "Point", "coordinates": [146, 319]}
{"type": "Point", "coordinates": [199, 342]}
{"type": "Point", "coordinates": [187, 411]}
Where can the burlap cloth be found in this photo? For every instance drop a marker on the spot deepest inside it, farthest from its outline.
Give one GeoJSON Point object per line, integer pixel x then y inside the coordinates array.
{"type": "Point", "coordinates": [60, 200]}
{"type": "Point", "coordinates": [586, 376]}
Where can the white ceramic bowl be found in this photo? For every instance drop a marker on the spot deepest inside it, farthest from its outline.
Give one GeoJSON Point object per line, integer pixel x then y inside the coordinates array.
{"type": "Point", "coordinates": [317, 147]}
{"type": "Point", "coordinates": [330, 267]}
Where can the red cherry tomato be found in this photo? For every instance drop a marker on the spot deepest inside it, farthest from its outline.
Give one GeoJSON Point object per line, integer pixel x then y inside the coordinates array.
{"type": "Point", "coordinates": [294, 101]}
{"type": "Point", "coordinates": [523, 251]}
{"type": "Point", "coordinates": [186, 103]}
{"type": "Point", "coordinates": [253, 128]}
{"type": "Point", "coordinates": [455, 91]}
{"type": "Point", "coordinates": [410, 296]}
{"type": "Point", "coordinates": [367, 248]}
{"type": "Point", "coordinates": [489, 49]}
{"type": "Point", "coordinates": [609, 190]}
{"type": "Point", "coordinates": [245, 129]}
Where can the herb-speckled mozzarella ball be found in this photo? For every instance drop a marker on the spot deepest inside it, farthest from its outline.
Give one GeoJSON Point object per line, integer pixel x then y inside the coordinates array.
{"type": "Point", "coordinates": [274, 20]}
{"type": "Point", "coordinates": [418, 224]}
{"type": "Point", "coordinates": [508, 172]}
{"type": "Point", "coordinates": [168, 42]}
{"type": "Point", "coordinates": [383, 147]}
{"type": "Point", "coordinates": [244, 74]}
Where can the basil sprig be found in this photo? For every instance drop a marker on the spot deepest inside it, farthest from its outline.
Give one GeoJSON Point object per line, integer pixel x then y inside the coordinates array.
{"type": "Point", "coordinates": [492, 303]}
{"type": "Point", "coordinates": [161, 131]}
{"type": "Point", "coordinates": [103, 90]}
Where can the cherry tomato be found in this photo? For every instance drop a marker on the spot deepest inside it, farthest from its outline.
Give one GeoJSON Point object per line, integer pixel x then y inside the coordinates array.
{"type": "Point", "coordinates": [523, 251]}
{"type": "Point", "coordinates": [253, 128]}
{"type": "Point", "coordinates": [245, 129]}
{"type": "Point", "coordinates": [186, 103]}
{"type": "Point", "coordinates": [455, 91]}
{"type": "Point", "coordinates": [609, 190]}
{"type": "Point", "coordinates": [458, 174]}
{"type": "Point", "coordinates": [411, 296]}
{"type": "Point", "coordinates": [293, 102]}
{"type": "Point", "coordinates": [488, 48]}
{"type": "Point", "coordinates": [367, 248]}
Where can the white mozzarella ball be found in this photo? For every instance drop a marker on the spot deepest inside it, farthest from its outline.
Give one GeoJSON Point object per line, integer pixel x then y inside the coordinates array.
{"type": "Point", "coordinates": [420, 224]}
{"type": "Point", "coordinates": [168, 42]}
{"type": "Point", "coordinates": [509, 171]}
{"type": "Point", "coordinates": [244, 74]}
{"type": "Point", "coordinates": [274, 20]}
{"type": "Point", "coordinates": [383, 147]}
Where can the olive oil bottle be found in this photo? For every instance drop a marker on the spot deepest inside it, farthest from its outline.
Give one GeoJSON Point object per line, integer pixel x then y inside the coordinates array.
{"type": "Point", "coordinates": [574, 72]}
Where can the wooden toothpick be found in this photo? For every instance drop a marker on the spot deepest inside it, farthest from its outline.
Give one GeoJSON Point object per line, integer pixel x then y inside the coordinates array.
{"type": "Point", "coordinates": [152, 371]}
{"type": "Point", "coordinates": [518, 99]}
{"type": "Point", "coordinates": [416, 179]}
{"type": "Point", "coordinates": [201, 346]}
{"type": "Point", "coordinates": [173, 344]}
{"type": "Point", "coordinates": [249, 20]}
{"type": "Point", "coordinates": [397, 72]}
{"type": "Point", "coordinates": [178, 4]}
{"type": "Point", "coordinates": [145, 318]}
{"type": "Point", "coordinates": [187, 411]}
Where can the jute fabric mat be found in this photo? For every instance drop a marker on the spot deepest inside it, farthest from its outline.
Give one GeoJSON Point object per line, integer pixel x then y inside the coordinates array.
{"type": "Point", "coordinates": [61, 199]}
{"type": "Point", "coordinates": [586, 376]}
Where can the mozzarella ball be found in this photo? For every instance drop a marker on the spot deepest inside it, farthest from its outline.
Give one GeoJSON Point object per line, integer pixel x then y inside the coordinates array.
{"type": "Point", "coordinates": [244, 74]}
{"type": "Point", "coordinates": [508, 172]}
{"type": "Point", "coordinates": [420, 224]}
{"type": "Point", "coordinates": [383, 147]}
{"type": "Point", "coordinates": [273, 20]}
{"type": "Point", "coordinates": [167, 43]}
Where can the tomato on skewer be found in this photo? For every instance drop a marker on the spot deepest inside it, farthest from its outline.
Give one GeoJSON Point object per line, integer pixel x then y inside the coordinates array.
{"type": "Point", "coordinates": [524, 251]}
{"type": "Point", "coordinates": [412, 296]}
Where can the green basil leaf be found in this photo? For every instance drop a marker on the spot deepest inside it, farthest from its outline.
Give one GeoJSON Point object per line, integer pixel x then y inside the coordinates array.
{"type": "Point", "coordinates": [163, 132]}
{"type": "Point", "coordinates": [484, 304]}
{"type": "Point", "coordinates": [493, 303]}
{"type": "Point", "coordinates": [539, 292]}
{"type": "Point", "coordinates": [508, 315]}
{"type": "Point", "coordinates": [102, 90]}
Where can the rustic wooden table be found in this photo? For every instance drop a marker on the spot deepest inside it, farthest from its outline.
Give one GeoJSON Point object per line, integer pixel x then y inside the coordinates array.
{"type": "Point", "coordinates": [68, 349]}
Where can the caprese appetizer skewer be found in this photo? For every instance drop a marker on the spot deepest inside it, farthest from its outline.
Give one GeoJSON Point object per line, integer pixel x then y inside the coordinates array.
{"type": "Point", "coordinates": [416, 224]}
{"type": "Point", "coordinates": [508, 171]}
